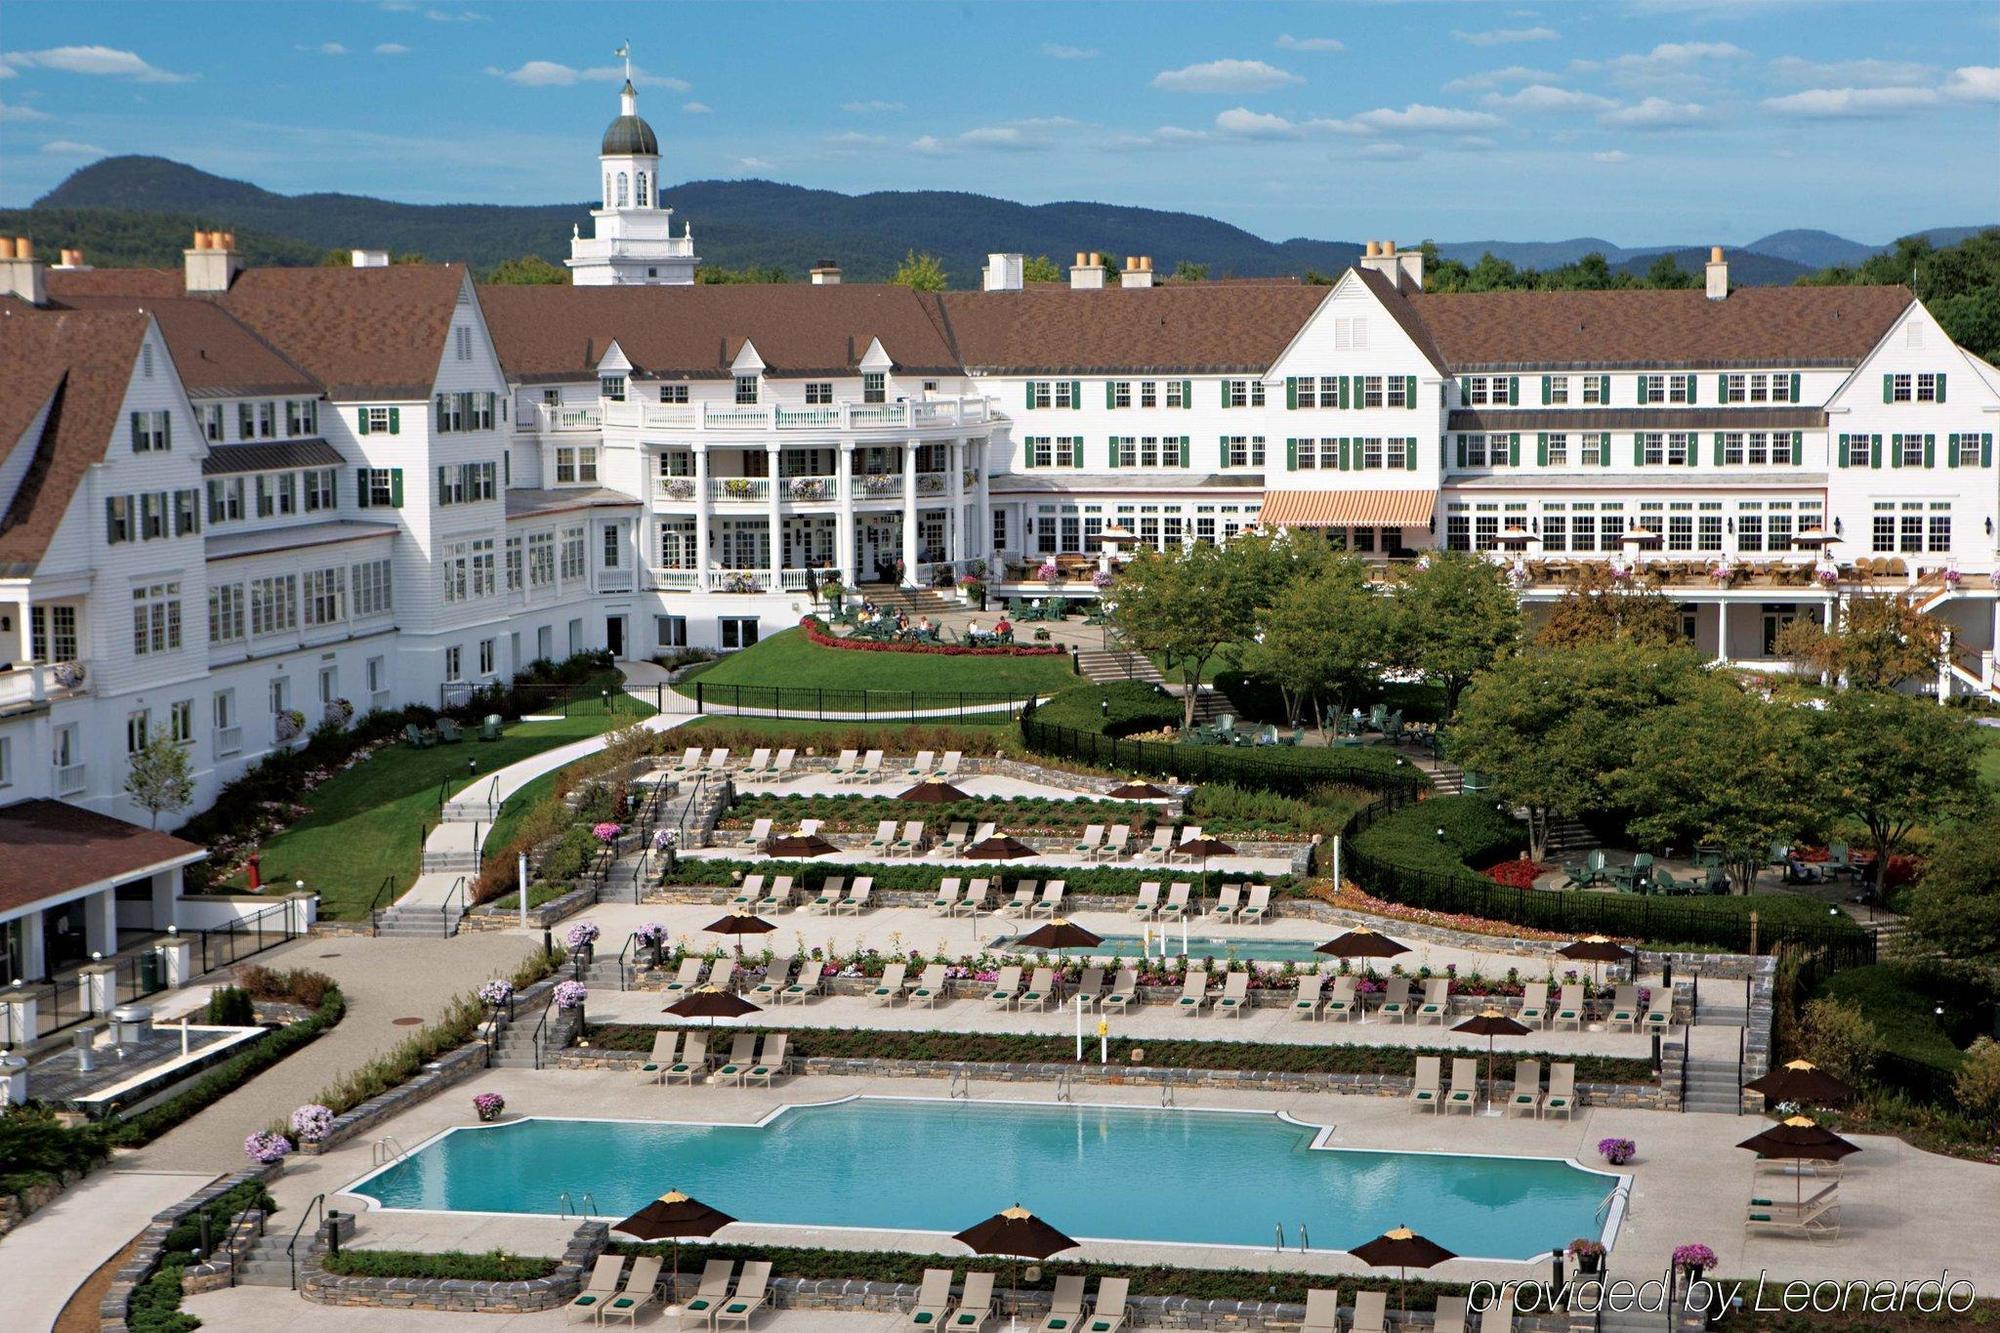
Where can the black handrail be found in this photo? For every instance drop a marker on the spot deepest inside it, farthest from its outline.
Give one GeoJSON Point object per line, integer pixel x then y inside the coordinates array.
{"type": "Point", "coordinates": [1687, 1044]}
{"type": "Point", "coordinates": [630, 940]}
{"type": "Point", "coordinates": [541, 1027]}
{"type": "Point", "coordinates": [316, 1208]}
{"type": "Point", "coordinates": [458, 890]}
{"type": "Point", "coordinates": [375, 904]}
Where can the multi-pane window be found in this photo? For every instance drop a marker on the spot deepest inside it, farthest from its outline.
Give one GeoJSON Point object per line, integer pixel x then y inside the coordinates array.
{"type": "Point", "coordinates": [1680, 447]}
{"type": "Point", "coordinates": [1558, 450]}
{"type": "Point", "coordinates": [1316, 455]}
{"type": "Point", "coordinates": [1371, 390]}
{"type": "Point", "coordinates": [1176, 393]}
{"type": "Point", "coordinates": [541, 559]}
{"type": "Point", "coordinates": [1680, 388]}
{"type": "Point", "coordinates": [746, 389]}
{"type": "Point", "coordinates": [1149, 393]}
{"type": "Point", "coordinates": [1596, 391]}
{"type": "Point", "coordinates": [136, 723]}
{"type": "Point", "coordinates": [1899, 388]}
{"type": "Point", "coordinates": [371, 588]}
{"type": "Point", "coordinates": [325, 595]}
{"type": "Point", "coordinates": [486, 652]}
{"type": "Point", "coordinates": [1882, 536]}
{"type": "Point", "coordinates": [52, 633]}
{"type": "Point", "coordinates": [514, 565]}
{"type": "Point", "coordinates": [1910, 535]}
{"type": "Point", "coordinates": [874, 387]}
{"type": "Point", "coordinates": [575, 464]}
{"type": "Point", "coordinates": [376, 419]}
{"type": "Point", "coordinates": [1244, 451]}
{"type": "Point", "coordinates": [156, 618]}
{"type": "Point", "coordinates": [454, 656]}
{"type": "Point", "coordinates": [678, 393]}
{"type": "Point", "coordinates": [1652, 446]}
{"type": "Point", "coordinates": [1750, 530]}
{"type": "Point", "coordinates": [572, 553]}
{"type": "Point", "coordinates": [819, 393]}
{"type": "Point", "coordinates": [1399, 388]}
{"type": "Point", "coordinates": [1040, 393]}
{"type": "Point", "coordinates": [151, 432]}
{"type": "Point", "coordinates": [1680, 531]}
{"type": "Point", "coordinates": [320, 486]}
{"type": "Point", "coordinates": [1558, 389]}
{"type": "Point", "coordinates": [380, 487]}
{"type": "Point", "coordinates": [225, 499]}
{"type": "Point", "coordinates": [1486, 450]}
{"type": "Point", "coordinates": [451, 484]}
{"type": "Point", "coordinates": [1458, 530]}
{"type": "Point", "coordinates": [1927, 388]}
{"type": "Point", "coordinates": [1652, 388]}
{"type": "Point", "coordinates": [1040, 451]}
{"type": "Point", "coordinates": [117, 519]}
{"type": "Point", "coordinates": [1911, 448]}
{"type": "Point", "coordinates": [1243, 393]}
{"type": "Point", "coordinates": [225, 612]}
{"type": "Point", "coordinates": [1940, 528]}
{"type": "Point", "coordinates": [301, 416]}
{"type": "Point", "coordinates": [612, 387]}
{"type": "Point", "coordinates": [211, 421]}
{"type": "Point", "coordinates": [1486, 390]}
{"type": "Point", "coordinates": [152, 515]}
{"type": "Point", "coordinates": [274, 604]}
{"type": "Point", "coordinates": [1592, 448]}
{"type": "Point", "coordinates": [1371, 452]}
{"type": "Point", "coordinates": [483, 582]}
{"type": "Point", "coordinates": [1119, 393]}
{"type": "Point", "coordinates": [187, 512]}
{"type": "Point", "coordinates": [452, 571]}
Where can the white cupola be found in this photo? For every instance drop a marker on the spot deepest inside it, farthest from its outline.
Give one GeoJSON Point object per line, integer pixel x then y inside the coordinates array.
{"type": "Point", "coordinates": [633, 239]}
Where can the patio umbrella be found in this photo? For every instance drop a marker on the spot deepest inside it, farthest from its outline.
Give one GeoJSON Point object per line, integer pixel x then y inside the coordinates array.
{"type": "Point", "coordinates": [674, 1216]}
{"type": "Point", "coordinates": [933, 793]}
{"type": "Point", "coordinates": [710, 1003]}
{"type": "Point", "coordinates": [1018, 1234]}
{"type": "Point", "coordinates": [796, 844]}
{"type": "Point", "coordinates": [1205, 847]}
{"type": "Point", "coordinates": [1058, 934]}
{"type": "Point", "coordinates": [1139, 791]}
{"type": "Point", "coordinates": [1814, 536]}
{"type": "Point", "coordinates": [1800, 1139]}
{"type": "Point", "coordinates": [1361, 942]}
{"type": "Point", "coordinates": [1002, 848]}
{"type": "Point", "coordinates": [739, 924]}
{"type": "Point", "coordinates": [1801, 1081]}
{"type": "Point", "coordinates": [1401, 1249]}
{"type": "Point", "coordinates": [1490, 1023]}
{"type": "Point", "coordinates": [1595, 949]}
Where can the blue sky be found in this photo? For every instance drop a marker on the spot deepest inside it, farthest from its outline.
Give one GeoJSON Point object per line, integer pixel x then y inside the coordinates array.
{"type": "Point", "coordinates": [1641, 121]}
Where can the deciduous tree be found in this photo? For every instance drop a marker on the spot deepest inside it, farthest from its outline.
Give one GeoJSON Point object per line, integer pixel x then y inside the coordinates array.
{"type": "Point", "coordinates": [1894, 763]}
{"type": "Point", "coordinates": [159, 778]}
{"type": "Point", "coordinates": [921, 272]}
{"type": "Point", "coordinates": [1955, 906]}
{"type": "Point", "coordinates": [1187, 607]}
{"type": "Point", "coordinates": [1880, 642]}
{"type": "Point", "coordinates": [528, 271]}
{"type": "Point", "coordinates": [1321, 639]}
{"type": "Point", "coordinates": [1454, 616]}
{"type": "Point", "coordinates": [1599, 609]}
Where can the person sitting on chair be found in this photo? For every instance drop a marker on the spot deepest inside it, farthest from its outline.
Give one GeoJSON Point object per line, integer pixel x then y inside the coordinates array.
{"type": "Point", "coordinates": [1003, 627]}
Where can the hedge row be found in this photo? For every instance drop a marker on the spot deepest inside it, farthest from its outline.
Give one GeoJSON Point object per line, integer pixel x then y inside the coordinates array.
{"type": "Point", "coordinates": [1286, 769]}
{"type": "Point", "coordinates": [454, 1265]}
{"type": "Point", "coordinates": [155, 1306]}
{"type": "Point", "coordinates": [1118, 709]}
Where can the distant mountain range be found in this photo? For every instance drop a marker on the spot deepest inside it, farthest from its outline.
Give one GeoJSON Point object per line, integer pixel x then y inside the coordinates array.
{"type": "Point", "coordinates": [127, 210]}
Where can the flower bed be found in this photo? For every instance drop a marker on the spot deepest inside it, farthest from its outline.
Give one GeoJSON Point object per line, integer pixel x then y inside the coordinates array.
{"type": "Point", "coordinates": [1517, 873]}
{"type": "Point", "coordinates": [816, 632]}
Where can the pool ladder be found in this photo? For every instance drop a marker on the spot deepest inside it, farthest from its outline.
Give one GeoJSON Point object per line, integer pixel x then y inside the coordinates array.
{"type": "Point", "coordinates": [961, 1084]}
{"type": "Point", "coordinates": [386, 1150]}
{"type": "Point", "coordinates": [1167, 1099]}
{"type": "Point", "coordinates": [1066, 1087]}
{"type": "Point", "coordinates": [1278, 1232]}
{"type": "Point", "coordinates": [569, 1206]}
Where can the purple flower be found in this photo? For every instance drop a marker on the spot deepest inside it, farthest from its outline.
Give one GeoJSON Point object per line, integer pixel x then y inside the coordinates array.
{"type": "Point", "coordinates": [607, 832]}
{"type": "Point", "coordinates": [1617, 1151]}
{"type": "Point", "coordinates": [583, 934]}
{"type": "Point", "coordinates": [497, 991]}
{"type": "Point", "coordinates": [266, 1147]}
{"type": "Point", "coordinates": [489, 1105]}
{"type": "Point", "coordinates": [652, 934]}
{"type": "Point", "coordinates": [571, 994]}
{"type": "Point", "coordinates": [312, 1122]}
{"type": "Point", "coordinates": [1694, 1256]}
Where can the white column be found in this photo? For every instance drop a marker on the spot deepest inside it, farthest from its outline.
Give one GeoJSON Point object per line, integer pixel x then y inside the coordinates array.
{"type": "Point", "coordinates": [982, 541]}
{"type": "Point", "coordinates": [843, 539]}
{"type": "Point", "coordinates": [955, 543]}
{"type": "Point", "coordinates": [1721, 633]}
{"type": "Point", "coordinates": [777, 519]}
{"type": "Point", "coordinates": [909, 512]}
{"type": "Point", "coordinates": [702, 511]}
{"type": "Point", "coordinates": [1944, 669]}
{"type": "Point", "coordinates": [100, 923]}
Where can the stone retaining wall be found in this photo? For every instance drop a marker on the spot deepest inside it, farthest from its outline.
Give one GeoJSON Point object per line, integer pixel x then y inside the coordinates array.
{"type": "Point", "coordinates": [448, 1070]}
{"type": "Point", "coordinates": [486, 916]}
{"type": "Point", "coordinates": [429, 1293]}
{"type": "Point", "coordinates": [16, 1209]}
{"type": "Point", "coordinates": [145, 1256]}
{"type": "Point", "coordinates": [220, 1269]}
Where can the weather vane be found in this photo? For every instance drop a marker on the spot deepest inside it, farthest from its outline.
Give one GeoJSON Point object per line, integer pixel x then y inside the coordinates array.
{"type": "Point", "coordinates": [624, 53]}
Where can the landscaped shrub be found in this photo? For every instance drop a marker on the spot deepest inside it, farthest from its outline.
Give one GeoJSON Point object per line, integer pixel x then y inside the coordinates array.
{"type": "Point", "coordinates": [296, 985]}
{"type": "Point", "coordinates": [1286, 769]}
{"type": "Point", "coordinates": [37, 1149]}
{"type": "Point", "coordinates": [456, 1265]}
{"type": "Point", "coordinates": [1258, 699]}
{"type": "Point", "coordinates": [1118, 709]}
{"type": "Point", "coordinates": [230, 1006]}
{"type": "Point", "coordinates": [816, 632]}
{"type": "Point", "coordinates": [155, 1303]}
{"type": "Point", "coordinates": [1475, 833]}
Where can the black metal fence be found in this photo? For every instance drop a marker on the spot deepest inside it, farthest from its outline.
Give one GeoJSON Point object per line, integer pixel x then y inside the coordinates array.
{"type": "Point", "coordinates": [1270, 768]}
{"type": "Point", "coordinates": [247, 937]}
{"type": "Point", "coordinates": [860, 705]}
{"type": "Point", "coordinates": [1640, 916]}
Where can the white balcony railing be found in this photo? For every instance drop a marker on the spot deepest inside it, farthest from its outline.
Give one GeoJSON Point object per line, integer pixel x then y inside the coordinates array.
{"type": "Point", "coordinates": [739, 490]}
{"type": "Point", "coordinates": [228, 741]}
{"type": "Point", "coordinates": [676, 580]}
{"type": "Point", "coordinates": [808, 490]}
{"type": "Point", "coordinates": [71, 779]}
{"type": "Point", "coordinates": [847, 416]}
{"type": "Point", "coordinates": [37, 681]}
{"type": "Point", "coordinates": [614, 580]}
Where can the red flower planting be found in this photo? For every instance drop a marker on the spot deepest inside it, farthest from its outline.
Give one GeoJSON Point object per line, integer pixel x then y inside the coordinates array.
{"type": "Point", "coordinates": [1519, 873]}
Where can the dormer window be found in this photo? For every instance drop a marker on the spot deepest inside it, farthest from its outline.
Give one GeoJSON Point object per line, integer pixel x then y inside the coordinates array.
{"type": "Point", "coordinates": [874, 387]}
{"type": "Point", "coordinates": [612, 387]}
{"type": "Point", "coordinates": [746, 389]}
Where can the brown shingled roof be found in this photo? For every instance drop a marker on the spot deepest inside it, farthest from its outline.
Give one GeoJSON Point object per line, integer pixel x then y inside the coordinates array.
{"type": "Point", "coordinates": [1754, 326]}
{"type": "Point", "coordinates": [54, 847]}
{"type": "Point", "coordinates": [214, 354]}
{"type": "Point", "coordinates": [79, 362]}
{"type": "Point", "coordinates": [1196, 327]}
{"type": "Point", "coordinates": [560, 333]}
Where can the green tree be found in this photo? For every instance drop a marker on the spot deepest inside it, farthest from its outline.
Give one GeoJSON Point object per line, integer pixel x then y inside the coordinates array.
{"type": "Point", "coordinates": [1955, 907]}
{"type": "Point", "coordinates": [1724, 768]}
{"type": "Point", "coordinates": [159, 778]}
{"type": "Point", "coordinates": [921, 272]}
{"type": "Point", "coordinates": [1553, 731]}
{"type": "Point", "coordinates": [1454, 616]}
{"type": "Point", "coordinates": [1185, 608]}
{"type": "Point", "coordinates": [1879, 643]}
{"type": "Point", "coordinates": [713, 275]}
{"type": "Point", "coordinates": [1041, 268]}
{"type": "Point", "coordinates": [1895, 763]}
{"type": "Point", "coordinates": [1598, 609]}
{"type": "Point", "coordinates": [1670, 276]}
{"type": "Point", "coordinates": [528, 271]}
{"type": "Point", "coordinates": [1189, 271]}
{"type": "Point", "coordinates": [1321, 639]}
{"type": "Point", "coordinates": [1837, 1036]}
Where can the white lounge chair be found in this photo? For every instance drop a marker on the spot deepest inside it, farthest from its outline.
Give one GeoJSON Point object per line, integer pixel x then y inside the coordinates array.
{"type": "Point", "coordinates": [933, 1300]}
{"type": "Point", "coordinates": [754, 840]}
{"type": "Point", "coordinates": [1426, 1091]}
{"type": "Point", "coordinates": [1147, 905]}
{"type": "Point", "coordinates": [1235, 997]}
{"type": "Point", "coordinates": [641, 1289]}
{"type": "Point", "coordinates": [770, 1061]}
{"type": "Point", "coordinates": [1051, 901]}
{"type": "Point", "coordinates": [930, 986]}
{"type": "Point", "coordinates": [603, 1285]}
{"type": "Point", "coordinates": [780, 895]}
{"type": "Point", "coordinates": [1175, 908]}
{"type": "Point", "coordinates": [889, 988]}
{"type": "Point", "coordinates": [1464, 1093]}
{"type": "Point", "coordinates": [1124, 990]}
{"type": "Point", "coordinates": [709, 1292]}
{"type": "Point", "coordinates": [1526, 1097]}
{"type": "Point", "coordinates": [781, 767]}
{"type": "Point", "coordinates": [1226, 903]}
{"type": "Point", "coordinates": [752, 888]}
{"type": "Point", "coordinates": [1561, 1097]}
{"type": "Point", "coordinates": [1006, 988]}
{"type": "Point", "coordinates": [1342, 1003]}
{"type": "Point", "coordinates": [1090, 844]}
{"type": "Point", "coordinates": [922, 766]}
{"type": "Point", "coordinates": [857, 896]}
{"type": "Point", "coordinates": [666, 1042]}
{"type": "Point", "coordinates": [752, 1289]}
{"type": "Point", "coordinates": [845, 767]}
{"type": "Point", "coordinates": [1322, 1311]}
{"type": "Point", "coordinates": [1194, 992]}
{"type": "Point", "coordinates": [1306, 1004]}
{"type": "Point", "coordinates": [1116, 843]}
{"type": "Point", "coordinates": [760, 763]}
{"type": "Point", "coordinates": [975, 901]}
{"type": "Point", "coordinates": [1023, 900]}
{"type": "Point", "coordinates": [954, 839]}
{"type": "Point", "coordinates": [946, 903]}
{"type": "Point", "coordinates": [884, 839]}
{"type": "Point", "coordinates": [1257, 909]}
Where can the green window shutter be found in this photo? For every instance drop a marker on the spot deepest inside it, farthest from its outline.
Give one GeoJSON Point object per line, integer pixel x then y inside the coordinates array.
{"type": "Point", "coordinates": [1187, 394]}
{"type": "Point", "coordinates": [1694, 388]}
{"type": "Point", "coordinates": [1546, 391]}
{"type": "Point", "coordinates": [1986, 451]}
{"type": "Point", "coordinates": [1184, 452]}
{"type": "Point", "coordinates": [1514, 449]}
{"type": "Point", "coordinates": [1718, 449]}
{"type": "Point", "coordinates": [1875, 451]}
{"type": "Point", "coordinates": [1222, 385]}
{"type": "Point", "coordinates": [1110, 395]}
{"type": "Point", "coordinates": [1638, 451]}
{"type": "Point", "coordinates": [1410, 454]}
{"type": "Point", "coordinates": [1888, 388]}
{"type": "Point", "coordinates": [1513, 390]}
{"type": "Point", "coordinates": [1291, 393]}
{"type": "Point", "coordinates": [1604, 390]}
{"type": "Point", "coordinates": [1795, 387]}
{"type": "Point", "coordinates": [1840, 456]}
{"type": "Point", "coordinates": [1940, 386]}
{"type": "Point", "coordinates": [134, 423]}
{"type": "Point", "coordinates": [1031, 393]}
{"type": "Point", "coordinates": [361, 422]}
{"type": "Point", "coordinates": [1461, 451]}
{"type": "Point", "coordinates": [1951, 451]}
{"type": "Point", "coordinates": [1076, 449]}
{"type": "Point", "coordinates": [1410, 392]}
{"type": "Point", "coordinates": [1895, 451]}
{"type": "Point", "coordinates": [1542, 440]}
{"type": "Point", "coordinates": [395, 421]}
{"type": "Point", "coordinates": [395, 485]}
{"type": "Point", "coordinates": [1292, 454]}
{"type": "Point", "coordinates": [361, 488]}
{"type": "Point", "coordinates": [1721, 388]}
{"type": "Point", "coordinates": [1604, 453]}
{"type": "Point", "coordinates": [1344, 381]}
{"type": "Point", "coordinates": [1111, 451]}
{"type": "Point", "coordinates": [1930, 451]}
{"type": "Point", "coordinates": [110, 520]}
{"type": "Point", "coordinates": [1464, 391]}
{"type": "Point", "coordinates": [167, 420]}
{"type": "Point", "coordinates": [1798, 448]}
{"type": "Point", "coordinates": [1076, 395]}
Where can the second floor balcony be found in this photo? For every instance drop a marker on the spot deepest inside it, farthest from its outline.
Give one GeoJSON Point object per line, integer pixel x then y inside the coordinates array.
{"type": "Point", "coordinates": [39, 682]}
{"type": "Point", "coordinates": [736, 418]}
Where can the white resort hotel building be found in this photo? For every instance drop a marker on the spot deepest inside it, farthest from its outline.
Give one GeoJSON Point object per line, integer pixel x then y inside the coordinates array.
{"type": "Point", "coordinates": [232, 496]}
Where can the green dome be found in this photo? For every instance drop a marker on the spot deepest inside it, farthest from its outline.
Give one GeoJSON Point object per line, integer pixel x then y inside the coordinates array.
{"type": "Point", "coordinates": [630, 136]}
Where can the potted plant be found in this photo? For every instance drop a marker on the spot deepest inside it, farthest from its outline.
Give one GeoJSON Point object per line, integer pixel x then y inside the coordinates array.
{"type": "Point", "coordinates": [1694, 1260]}
{"type": "Point", "coordinates": [654, 936]}
{"type": "Point", "coordinates": [582, 939]}
{"type": "Point", "coordinates": [972, 589]}
{"type": "Point", "coordinates": [606, 832]}
{"type": "Point", "coordinates": [267, 1147]}
{"type": "Point", "coordinates": [1049, 572]}
{"type": "Point", "coordinates": [498, 994]}
{"type": "Point", "coordinates": [1618, 1151]}
{"type": "Point", "coordinates": [312, 1122]}
{"type": "Point", "coordinates": [1589, 1255]}
{"type": "Point", "coordinates": [488, 1106]}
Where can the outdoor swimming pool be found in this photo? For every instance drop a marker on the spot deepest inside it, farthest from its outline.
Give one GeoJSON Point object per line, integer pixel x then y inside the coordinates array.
{"type": "Point", "coordinates": [1200, 944]}
{"type": "Point", "coordinates": [1106, 1173]}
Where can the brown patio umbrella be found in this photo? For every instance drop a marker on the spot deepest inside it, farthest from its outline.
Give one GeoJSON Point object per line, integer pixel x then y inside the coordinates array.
{"type": "Point", "coordinates": [1401, 1249]}
{"type": "Point", "coordinates": [1799, 1139]}
{"type": "Point", "coordinates": [739, 924]}
{"type": "Point", "coordinates": [933, 793]}
{"type": "Point", "coordinates": [1361, 942]}
{"type": "Point", "coordinates": [1595, 949]}
{"type": "Point", "coordinates": [1801, 1081]}
{"type": "Point", "coordinates": [1204, 847]}
{"type": "Point", "coordinates": [1058, 934]}
{"type": "Point", "coordinates": [999, 849]}
{"type": "Point", "coordinates": [1017, 1234]}
{"type": "Point", "coordinates": [1139, 791]}
{"type": "Point", "coordinates": [710, 1003]}
{"type": "Point", "coordinates": [796, 844]}
{"type": "Point", "coordinates": [674, 1216]}
{"type": "Point", "coordinates": [1490, 1023]}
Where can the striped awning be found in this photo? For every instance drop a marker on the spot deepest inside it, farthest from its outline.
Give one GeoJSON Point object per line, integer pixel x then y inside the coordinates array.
{"type": "Point", "coordinates": [1322, 509]}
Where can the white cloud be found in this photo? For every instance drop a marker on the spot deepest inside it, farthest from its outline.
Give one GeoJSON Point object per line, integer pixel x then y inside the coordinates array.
{"type": "Point", "coordinates": [1225, 76]}
{"type": "Point", "coordinates": [1059, 51]}
{"type": "Point", "coordinates": [1851, 73]}
{"type": "Point", "coordinates": [1974, 83]}
{"type": "Point", "coordinates": [752, 164]}
{"type": "Point", "coordinates": [1505, 36]}
{"type": "Point", "coordinates": [855, 139]}
{"type": "Point", "coordinates": [1611, 155]}
{"type": "Point", "coordinates": [871, 106]}
{"type": "Point", "coordinates": [1655, 113]}
{"type": "Point", "coordinates": [1496, 78]}
{"type": "Point", "coordinates": [1545, 97]}
{"type": "Point", "coordinates": [6, 72]}
{"type": "Point", "coordinates": [696, 108]}
{"type": "Point", "coordinates": [327, 49]}
{"type": "Point", "coordinates": [71, 148]}
{"type": "Point", "coordinates": [16, 113]}
{"type": "Point", "coordinates": [1678, 53]}
{"type": "Point", "coordinates": [1287, 42]}
{"type": "Point", "coordinates": [1417, 118]}
{"type": "Point", "coordinates": [392, 49]}
{"type": "Point", "coordinates": [1388, 152]}
{"type": "Point", "coordinates": [1166, 136]}
{"type": "Point", "coordinates": [447, 16]}
{"type": "Point", "coordinates": [549, 74]}
{"type": "Point", "coordinates": [1250, 124]}
{"type": "Point", "coordinates": [1851, 103]}
{"type": "Point", "coordinates": [104, 60]}
{"type": "Point", "coordinates": [1020, 136]}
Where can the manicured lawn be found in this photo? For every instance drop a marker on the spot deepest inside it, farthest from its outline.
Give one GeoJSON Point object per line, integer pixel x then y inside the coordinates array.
{"type": "Point", "coordinates": [788, 659]}
{"type": "Point", "coordinates": [726, 724]}
{"type": "Point", "coordinates": [365, 825]}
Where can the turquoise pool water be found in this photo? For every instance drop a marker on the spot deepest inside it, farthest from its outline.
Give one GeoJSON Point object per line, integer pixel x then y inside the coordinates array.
{"type": "Point", "coordinates": [1200, 944]}
{"type": "Point", "coordinates": [1106, 1173]}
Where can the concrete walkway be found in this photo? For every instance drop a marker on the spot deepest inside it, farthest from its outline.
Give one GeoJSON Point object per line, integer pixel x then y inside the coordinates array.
{"type": "Point", "coordinates": [48, 1256]}
{"type": "Point", "coordinates": [255, 1309]}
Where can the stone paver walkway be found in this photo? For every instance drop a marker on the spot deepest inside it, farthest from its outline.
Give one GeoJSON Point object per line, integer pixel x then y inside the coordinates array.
{"type": "Point", "coordinates": [257, 1309]}
{"type": "Point", "coordinates": [48, 1256]}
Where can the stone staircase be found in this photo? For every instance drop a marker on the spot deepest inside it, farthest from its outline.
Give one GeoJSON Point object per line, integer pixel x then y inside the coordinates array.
{"type": "Point", "coordinates": [1565, 837]}
{"type": "Point", "coordinates": [265, 1263]}
{"type": "Point", "coordinates": [420, 921]}
{"type": "Point", "coordinates": [1102, 666]}
{"type": "Point", "coordinates": [695, 820]}
{"type": "Point", "coordinates": [1711, 1086]}
{"type": "Point", "coordinates": [912, 602]}
{"type": "Point", "coordinates": [515, 1047]}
